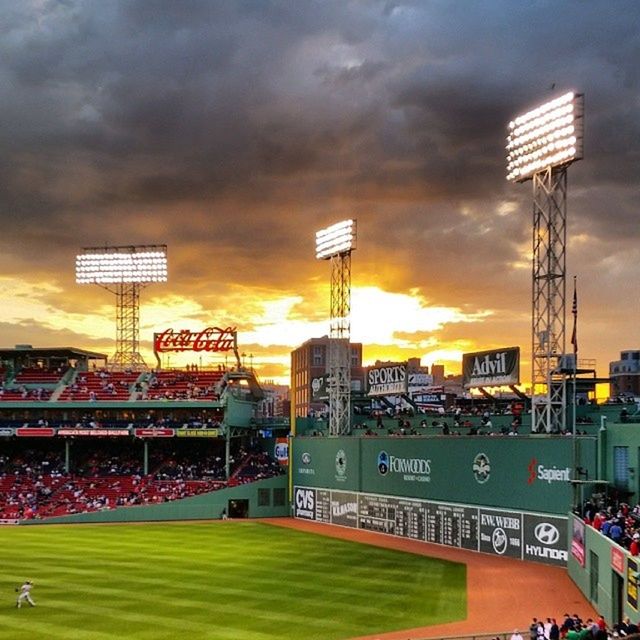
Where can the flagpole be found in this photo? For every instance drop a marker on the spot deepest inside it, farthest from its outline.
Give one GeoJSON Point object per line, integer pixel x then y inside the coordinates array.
{"type": "Point", "coordinates": [574, 341]}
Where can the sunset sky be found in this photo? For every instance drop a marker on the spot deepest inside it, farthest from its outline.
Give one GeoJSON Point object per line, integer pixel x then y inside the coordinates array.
{"type": "Point", "coordinates": [232, 131]}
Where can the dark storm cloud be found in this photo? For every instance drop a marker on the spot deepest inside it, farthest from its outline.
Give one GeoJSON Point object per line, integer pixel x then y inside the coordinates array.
{"type": "Point", "coordinates": [231, 129]}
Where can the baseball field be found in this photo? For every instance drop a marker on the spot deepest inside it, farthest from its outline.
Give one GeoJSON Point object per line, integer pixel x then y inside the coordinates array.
{"type": "Point", "coordinates": [221, 580]}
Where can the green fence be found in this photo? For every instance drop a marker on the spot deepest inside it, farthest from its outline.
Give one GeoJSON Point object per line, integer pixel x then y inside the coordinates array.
{"type": "Point", "coordinates": [530, 473]}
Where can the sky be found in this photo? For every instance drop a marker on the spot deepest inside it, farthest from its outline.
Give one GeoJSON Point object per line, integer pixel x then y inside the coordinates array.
{"type": "Point", "coordinates": [233, 130]}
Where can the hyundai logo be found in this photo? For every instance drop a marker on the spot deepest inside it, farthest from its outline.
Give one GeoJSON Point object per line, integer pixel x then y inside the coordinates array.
{"type": "Point", "coordinates": [546, 533]}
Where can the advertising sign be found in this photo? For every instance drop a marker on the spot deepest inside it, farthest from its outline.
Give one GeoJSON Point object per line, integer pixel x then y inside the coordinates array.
{"type": "Point", "coordinates": [545, 538]}
{"type": "Point", "coordinates": [632, 583]}
{"type": "Point", "coordinates": [6, 431]}
{"type": "Point", "coordinates": [154, 433]}
{"type": "Point", "coordinates": [491, 368]}
{"type": "Point", "coordinates": [281, 451]}
{"type": "Point", "coordinates": [515, 534]}
{"type": "Point", "coordinates": [577, 540]}
{"type": "Point", "coordinates": [344, 508]}
{"type": "Point", "coordinates": [197, 433]}
{"type": "Point", "coordinates": [304, 503]}
{"type": "Point", "coordinates": [92, 433]}
{"type": "Point", "coordinates": [35, 432]}
{"type": "Point", "coordinates": [618, 560]}
{"type": "Point", "coordinates": [387, 380]}
{"type": "Point", "coordinates": [319, 388]}
{"type": "Point", "coordinates": [501, 532]}
{"type": "Point", "coordinates": [211, 339]}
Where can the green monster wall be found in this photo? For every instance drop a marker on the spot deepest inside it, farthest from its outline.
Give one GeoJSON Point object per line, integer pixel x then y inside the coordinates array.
{"type": "Point", "coordinates": [526, 473]}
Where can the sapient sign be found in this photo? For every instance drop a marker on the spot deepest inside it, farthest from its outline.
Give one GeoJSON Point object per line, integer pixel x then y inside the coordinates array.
{"type": "Point", "coordinates": [411, 469]}
{"type": "Point", "coordinates": [547, 474]}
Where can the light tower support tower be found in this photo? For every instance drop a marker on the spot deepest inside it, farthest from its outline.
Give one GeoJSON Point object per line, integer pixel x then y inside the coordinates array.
{"type": "Point", "coordinates": [335, 243]}
{"type": "Point", "coordinates": [124, 271]}
{"type": "Point", "coordinates": [541, 144]}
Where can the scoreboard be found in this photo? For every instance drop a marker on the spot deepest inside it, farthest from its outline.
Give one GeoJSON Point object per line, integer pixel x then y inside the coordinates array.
{"type": "Point", "coordinates": [524, 535]}
{"type": "Point", "coordinates": [454, 526]}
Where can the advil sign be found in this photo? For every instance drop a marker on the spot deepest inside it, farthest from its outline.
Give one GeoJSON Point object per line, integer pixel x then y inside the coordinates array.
{"type": "Point", "coordinates": [491, 368]}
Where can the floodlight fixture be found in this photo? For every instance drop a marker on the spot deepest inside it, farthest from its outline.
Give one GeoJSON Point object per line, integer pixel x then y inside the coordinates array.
{"type": "Point", "coordinates": [335, 243]}
{"type": "Point", "coordinates": [551, 135]}
{"type": "Point", "coordinates": [336, 240]}
{"type": "Point", "coordinates": [144, 264]}
{"type": "Point", "coordinates": [541, 144]}
{"type": "Point", "coordinates": [124, 270]}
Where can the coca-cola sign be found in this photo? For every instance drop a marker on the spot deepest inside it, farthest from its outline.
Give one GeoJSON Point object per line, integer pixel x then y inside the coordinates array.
{"type": "Point", "coordinates": [209, 339]}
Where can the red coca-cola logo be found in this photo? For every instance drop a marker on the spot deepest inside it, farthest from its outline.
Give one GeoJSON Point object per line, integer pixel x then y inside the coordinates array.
{"type": "Point", "coordinates": [209, 339]}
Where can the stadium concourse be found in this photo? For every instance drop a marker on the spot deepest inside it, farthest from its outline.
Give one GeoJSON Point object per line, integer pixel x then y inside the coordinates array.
{"type": "Point", "coordinates": [503, 594]}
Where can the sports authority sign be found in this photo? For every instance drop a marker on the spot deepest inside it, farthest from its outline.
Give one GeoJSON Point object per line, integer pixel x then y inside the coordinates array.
{"type": "Point", "coordinates": [491, 368]}
{"type": "Point", "coordinates": [387, 380]}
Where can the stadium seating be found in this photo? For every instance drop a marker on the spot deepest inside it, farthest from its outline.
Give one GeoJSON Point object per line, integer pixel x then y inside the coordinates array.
{"type": "Point", "coordinates": [180, 385]}
{"type": "Point", "coordinates": [22, 394]}
{"type": "Point", "coordinates": [100, 386]}
{"type": "Point", "coordinates": [36, 375]}
{"type": "Point", "coordinates": [33, 485]}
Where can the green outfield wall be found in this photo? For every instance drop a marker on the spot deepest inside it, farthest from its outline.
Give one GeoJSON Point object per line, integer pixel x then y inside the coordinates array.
{"type": "Point", "coordinates": [266, 498]}
{"type": "Point", "coordinates": [531, 472]}
{"type": "Point", "coordinates": [605, 572]}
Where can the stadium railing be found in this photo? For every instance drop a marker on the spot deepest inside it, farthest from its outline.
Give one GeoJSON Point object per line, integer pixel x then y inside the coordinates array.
{"type": "Point", "coordinates": [502, 635]}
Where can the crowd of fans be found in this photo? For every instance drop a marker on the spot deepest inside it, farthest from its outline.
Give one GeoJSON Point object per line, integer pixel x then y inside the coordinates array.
{"type": "Point", "coordinates": [34, 483]}
{"type": "Point", "coordinates": [572, 627]}
{"type": "Point", "coordinates": [616, 520]}
{"type": "Point", "coordinates": [179, 385]}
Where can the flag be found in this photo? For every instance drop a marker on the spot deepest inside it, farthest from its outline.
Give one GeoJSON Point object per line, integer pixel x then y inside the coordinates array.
{"type": "Point", "coordinates": [574, 311]}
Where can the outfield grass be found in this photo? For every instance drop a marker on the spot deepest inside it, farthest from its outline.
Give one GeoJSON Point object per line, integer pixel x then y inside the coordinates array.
{"type": "Point", "coordinates": [224, 580]}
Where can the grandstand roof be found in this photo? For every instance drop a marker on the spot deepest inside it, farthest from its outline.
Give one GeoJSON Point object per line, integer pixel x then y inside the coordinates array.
{"type": "Point", "coordinates": [51, 352]}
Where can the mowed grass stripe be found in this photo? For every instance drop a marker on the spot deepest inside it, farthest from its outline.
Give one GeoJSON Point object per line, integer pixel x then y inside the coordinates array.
{"type": "Point", "coordinates": [395, 588]}
{"type": "Point", "coordinates": [223, 580]}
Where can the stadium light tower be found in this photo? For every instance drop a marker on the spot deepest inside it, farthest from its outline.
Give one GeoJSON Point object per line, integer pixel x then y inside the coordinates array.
{"type": "Point", "coordinates": [124, 271]}
{"type": "Point", "coordinates": [541, 144]}
{"type": "Point", "coordinates": [335, 243]}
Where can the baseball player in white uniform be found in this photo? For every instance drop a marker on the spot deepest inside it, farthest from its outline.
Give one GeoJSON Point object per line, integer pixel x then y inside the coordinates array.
{"type": "Point", "coordinates": [25, 594]}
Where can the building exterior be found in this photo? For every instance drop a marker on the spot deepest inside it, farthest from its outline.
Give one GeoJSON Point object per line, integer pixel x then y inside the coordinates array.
{"type": "Point", "coordinates": [276, 400]}
{"type": "Point", "coordinates": [625, 374]}
{"type": "Point", "coordinates": [309, 370]}
{"type": "Point", "coordinates": [437, 371]}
